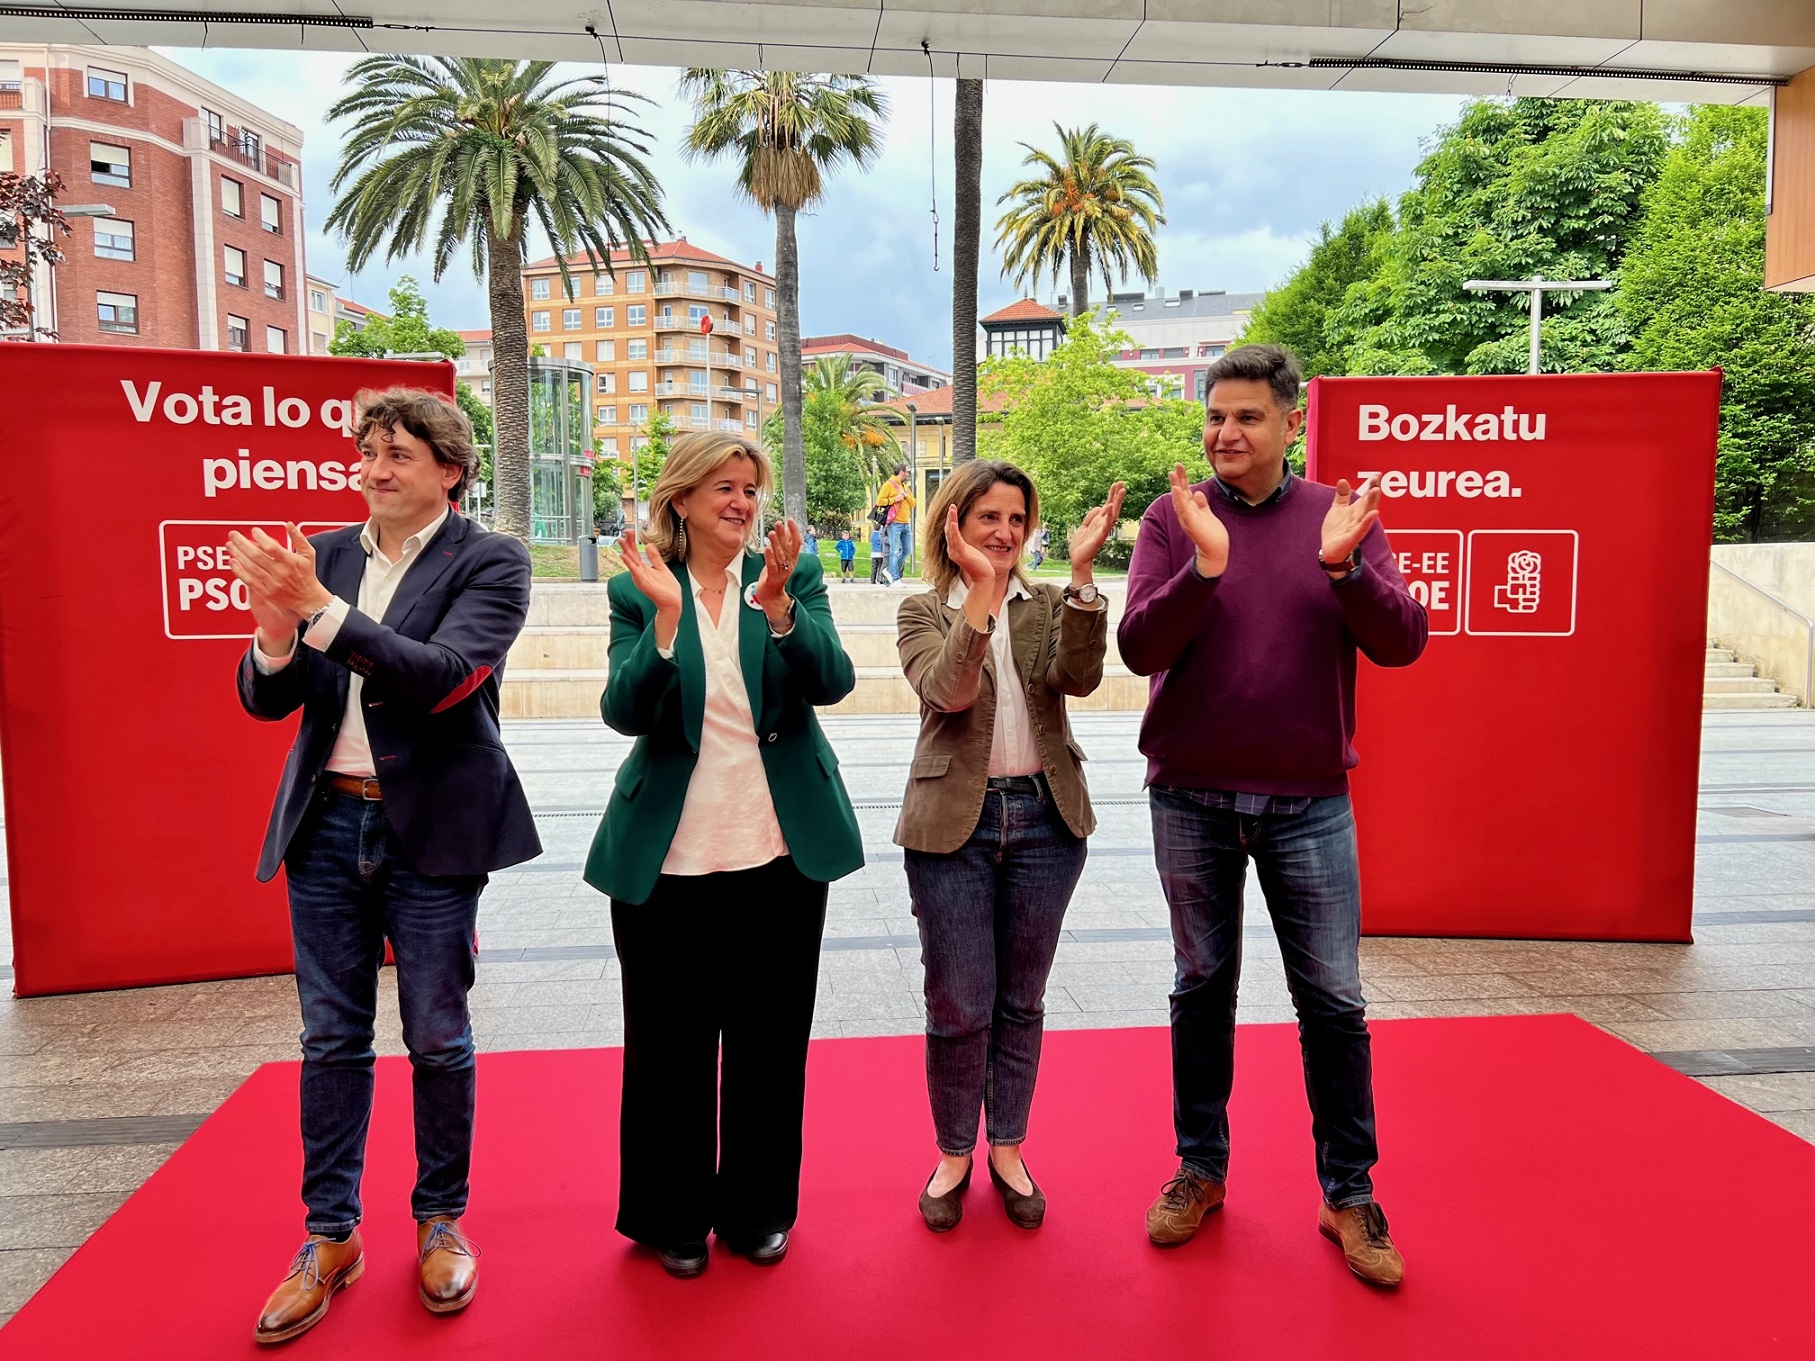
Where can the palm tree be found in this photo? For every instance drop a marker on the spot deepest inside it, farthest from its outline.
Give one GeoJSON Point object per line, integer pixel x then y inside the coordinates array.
{"type": "Point", "coordinates": [967, 140]}
{"type": "Point", "coordinates": [788, 132]}
{"type": "Point", "coordinates": [853, 394]}
{"type": "Point", "coordinates": [471, 152]}
{"type": "Point", "coordinates": [1094, 205]}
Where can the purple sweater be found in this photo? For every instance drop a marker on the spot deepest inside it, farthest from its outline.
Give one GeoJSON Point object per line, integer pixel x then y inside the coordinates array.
{"type": "Point", "coordinates": [1253, 685]}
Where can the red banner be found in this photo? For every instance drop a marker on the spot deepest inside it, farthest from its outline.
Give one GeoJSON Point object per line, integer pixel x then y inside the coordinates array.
{"type": "Point", "coordinates": [136, 788]}
{"type": "Point", "coordinates": [1534, 774]}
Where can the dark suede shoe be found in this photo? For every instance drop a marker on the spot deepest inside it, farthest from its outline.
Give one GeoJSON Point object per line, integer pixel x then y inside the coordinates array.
{"type": "Point", "coordinates": [942, 1213]}
{"type": "Point", "coordinates": [1024, 1212]}
{"type": "Point", "coordinates": [764, 1251]}
{"type": "Point", "coordinates": [683, 1259]}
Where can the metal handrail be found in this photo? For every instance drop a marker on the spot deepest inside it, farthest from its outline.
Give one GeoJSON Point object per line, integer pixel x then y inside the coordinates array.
{"type": "Point", "coordinates": [1808, 672]}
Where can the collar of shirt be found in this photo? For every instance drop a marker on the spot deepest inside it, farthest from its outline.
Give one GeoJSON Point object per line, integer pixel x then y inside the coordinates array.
{"type": "Point", "coordinates": [368, 537]}
{"type": "Point", "coordinates": [1279, 493]}
{"type": "Point", "coordinates": [1017, 590]}
{"type": "Point", "coordinates": [733, 578]}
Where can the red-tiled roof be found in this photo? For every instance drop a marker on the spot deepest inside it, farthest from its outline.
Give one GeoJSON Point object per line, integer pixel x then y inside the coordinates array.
{"type": "Point", "coordinates": [360, 308]}
{"type": "Point", "coordinates": [1025, 310]}
{"type": "Point", "coordinates": [938, 403]}
{"type": "Point", "coordinates": [658, 250]}
{"type": "Point", "coordinates": [839, 344]}
{"type": "Point", "coordinates": [481, 335]}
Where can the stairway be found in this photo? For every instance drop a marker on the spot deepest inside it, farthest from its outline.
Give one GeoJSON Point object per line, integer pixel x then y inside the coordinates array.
{"type": "Point", "coordinates": [1732, 684]}
{"type": "Point", "coordinates": [557, 667]}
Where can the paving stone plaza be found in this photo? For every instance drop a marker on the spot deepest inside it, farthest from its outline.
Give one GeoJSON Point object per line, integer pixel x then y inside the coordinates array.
{"type": "Point", "coordinates": [96, 1090]}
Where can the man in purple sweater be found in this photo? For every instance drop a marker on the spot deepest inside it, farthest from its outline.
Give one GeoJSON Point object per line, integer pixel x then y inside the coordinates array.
{"type": "Point", "coordinates": [1248, 597]}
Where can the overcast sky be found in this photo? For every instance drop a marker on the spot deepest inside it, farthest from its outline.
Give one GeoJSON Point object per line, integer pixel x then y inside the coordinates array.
{"type": "Point", "coordinates": [1247, 176]}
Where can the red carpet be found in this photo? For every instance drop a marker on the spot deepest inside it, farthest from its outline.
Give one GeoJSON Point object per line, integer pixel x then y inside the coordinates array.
{"type": "Point", "coordinates": [1557, 1195]}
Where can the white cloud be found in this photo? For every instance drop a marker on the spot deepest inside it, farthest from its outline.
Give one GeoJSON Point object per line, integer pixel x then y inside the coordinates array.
{"type": "Point", "coordinates": [1247, 176]}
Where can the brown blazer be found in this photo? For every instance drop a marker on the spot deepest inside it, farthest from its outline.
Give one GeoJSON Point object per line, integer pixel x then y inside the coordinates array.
{"type": "Point", "coordinates": [1058, 651]}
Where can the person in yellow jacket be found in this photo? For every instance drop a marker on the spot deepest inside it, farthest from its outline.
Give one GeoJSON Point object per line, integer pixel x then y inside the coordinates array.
{"type": "Point", "coordinates": [896, 501]}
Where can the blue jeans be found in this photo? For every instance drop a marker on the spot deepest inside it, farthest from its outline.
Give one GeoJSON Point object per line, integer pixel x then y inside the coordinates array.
{"type": "Point", "coordinates": [901, 539]}
{"type": "Point", "coordinates": [350, 890]}
{"type": "Point", "coordinates": [990, 914]}
{"type": "Point", "coordinates": [1311, 879]}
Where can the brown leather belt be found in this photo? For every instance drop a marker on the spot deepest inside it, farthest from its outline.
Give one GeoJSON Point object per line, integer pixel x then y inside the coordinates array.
{"type": "Point", "coordinates": [358, 787]}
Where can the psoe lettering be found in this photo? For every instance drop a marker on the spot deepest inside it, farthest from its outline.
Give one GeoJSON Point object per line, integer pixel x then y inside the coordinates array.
{"type": "Point", "coordinates": [1380, 423]}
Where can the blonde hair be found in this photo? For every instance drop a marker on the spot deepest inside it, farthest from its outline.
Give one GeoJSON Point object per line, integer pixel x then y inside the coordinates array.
{"type": "Point", "coordinates": [961, 488]}
{"type": "Point", "coordinates": [692, 459]}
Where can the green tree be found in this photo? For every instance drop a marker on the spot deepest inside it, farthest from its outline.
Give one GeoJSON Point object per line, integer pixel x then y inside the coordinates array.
{"type": "Point", "coordinates": [843, 434]}
{"type": "Point", "coordinates": [787, 132]}
{"type": "Point", "coordinates": [647, 460]}
{"type": "Point", "coordinates": [1094, 206]}
{"type": "Point", "coordinates": [1298, 312]}
{"type": "Point", "coordinates": [459, 152]}
{"type": "Point", "coordinates": [1512, 189]}
{"type": "Point", "coordinates": [407, 330]}
{"type": "Point", "coordinates": [1076, 423]}
{"type": "Point", "coordinates": [1692, 295]}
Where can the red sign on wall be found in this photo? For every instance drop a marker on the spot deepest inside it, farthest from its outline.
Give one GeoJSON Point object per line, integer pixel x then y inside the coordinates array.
{"type": "Point", "coordinates": [136, 788]}
{"type": "Point", "coordinates": [1534, 773]}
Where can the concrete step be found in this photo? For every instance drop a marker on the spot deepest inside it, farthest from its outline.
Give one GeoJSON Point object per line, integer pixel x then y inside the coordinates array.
{"type": "Point", "coordinates": [1715, 669]}
{"type": "Point", "coordinates": [1719, 654]}
{"type": "Point", "coordinates": [1739, 685]}
{"type": "Point", "coordinates": [1775, 700]}
{"type": "Point", "coordinates": [579, 647]}
{"type": "Point", "coordinates": [551, 692]}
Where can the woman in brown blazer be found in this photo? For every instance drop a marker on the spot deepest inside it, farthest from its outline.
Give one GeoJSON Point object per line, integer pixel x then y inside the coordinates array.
{"type": "Point", "coordinates": [996, 811]}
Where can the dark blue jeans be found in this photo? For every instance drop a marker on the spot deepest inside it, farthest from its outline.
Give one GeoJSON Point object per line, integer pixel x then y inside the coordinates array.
{"type": "Point", "coordinates": [1311, 879]}
{"type": "Point", "coordinates": [990, 914]}
{"type": "Point", "coordinates": [350, 890]}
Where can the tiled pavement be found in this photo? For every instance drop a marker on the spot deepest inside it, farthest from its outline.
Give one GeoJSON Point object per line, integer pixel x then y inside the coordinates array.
{"type": "Point", "coordinates": [96, 1090]}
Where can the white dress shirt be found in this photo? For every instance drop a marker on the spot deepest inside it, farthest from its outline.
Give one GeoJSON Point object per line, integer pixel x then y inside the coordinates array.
{"type": "Point", "coordinates": [1012, 750]}
{"type": "Point", "coordinates": [728, 821]}
{"type": "Point", "coordinates": [352, 754]}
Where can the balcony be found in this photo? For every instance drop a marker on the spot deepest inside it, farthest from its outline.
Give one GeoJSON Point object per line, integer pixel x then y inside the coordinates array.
{"type": "Point", "coordinates": [252, 154]}
{"type": "Point", "coordinates": [673, 323]}
{"type": "Point", "coordinates": [729, 394]}
{"type": "Point", "coordinates": [716, 292]}
{"type": "Point", "coordinates": [732, 427]}
{"type": "Point", "coordinates": [699, 394]}
{"type": "Point", "coordinates": [719, 359]}
{"type": "Point", "coordinates": [724, 359]}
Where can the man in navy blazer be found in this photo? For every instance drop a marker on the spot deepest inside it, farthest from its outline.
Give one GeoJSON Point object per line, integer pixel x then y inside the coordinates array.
{"type": "Point", "coordinates": [396, 802]}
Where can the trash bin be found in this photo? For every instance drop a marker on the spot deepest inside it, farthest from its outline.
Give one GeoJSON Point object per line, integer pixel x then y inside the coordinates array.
{"type": "Point", "coordinates": [589, 557]}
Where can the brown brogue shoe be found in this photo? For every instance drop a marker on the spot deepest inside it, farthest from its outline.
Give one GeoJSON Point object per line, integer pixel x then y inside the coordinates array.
{"type": "Point", "coordinates": [321, 1267]}
{"type": "Point", "coordinates": [1183, 1203]}
{"type": "Point", "coordinates": [448, 1263]}
{"type": "Point", "coordinates": [1361, 1232]}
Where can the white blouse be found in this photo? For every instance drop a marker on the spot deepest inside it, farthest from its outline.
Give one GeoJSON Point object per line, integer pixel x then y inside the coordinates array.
{"type": "Point", "coordinates": [1012, 750]}
{"type": "Point", "coordinates": [728, 821]}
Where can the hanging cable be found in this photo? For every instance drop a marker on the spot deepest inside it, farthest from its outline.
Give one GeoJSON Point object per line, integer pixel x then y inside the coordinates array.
{"type": "Point", "coordinates": [932, 142]}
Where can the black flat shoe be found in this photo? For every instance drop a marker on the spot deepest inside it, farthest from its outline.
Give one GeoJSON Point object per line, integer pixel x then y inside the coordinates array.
{"type": "Point", "coordinates": [1024, 1212]}
{"type": "Point", "coordinates": [764, 1251]}
{"type": "Point", "coordinates": [683, 1259]}
{"type": "Point", "coordinates": [942, 1213]}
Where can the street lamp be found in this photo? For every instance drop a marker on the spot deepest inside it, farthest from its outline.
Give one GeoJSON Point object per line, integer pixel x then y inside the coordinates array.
{"type": "Point", "coordinates": [1537, 286]}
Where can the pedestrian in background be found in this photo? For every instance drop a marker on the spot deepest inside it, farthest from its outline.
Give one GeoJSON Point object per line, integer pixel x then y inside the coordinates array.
{"type": "Point", "coordinates": [896, 501]}
{"type": "Point", "coordinates": [847, 556]}
{"type": "Point", "coordinates": [879, 565]}
{"type": "Point", "coordinates": [996, 811]}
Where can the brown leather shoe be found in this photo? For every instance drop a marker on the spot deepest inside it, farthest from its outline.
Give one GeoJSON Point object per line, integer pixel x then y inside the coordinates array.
{"type": "Point", "coordinates": [321, 1267]}
{"type": "Point", "coordinates": [1361, 1231]}
{"type": "Point", "coordinates": [1183, 1203]}
{"type": "Point", "coordinates": [448, 1264]}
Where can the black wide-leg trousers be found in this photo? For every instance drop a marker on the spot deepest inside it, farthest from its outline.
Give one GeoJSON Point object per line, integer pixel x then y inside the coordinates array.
{"type": "Point", "coordinates": [720, 974]}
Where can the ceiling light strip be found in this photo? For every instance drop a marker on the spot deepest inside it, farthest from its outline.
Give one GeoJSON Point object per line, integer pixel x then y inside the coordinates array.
{"type": "Point", "coordinates": [182, 16]}
{"type": "Point", "coordinates": [1482, 68]}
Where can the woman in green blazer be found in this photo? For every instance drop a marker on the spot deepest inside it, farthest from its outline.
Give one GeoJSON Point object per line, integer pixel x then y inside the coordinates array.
{"type": "Point", "coordinates": [727, 823]}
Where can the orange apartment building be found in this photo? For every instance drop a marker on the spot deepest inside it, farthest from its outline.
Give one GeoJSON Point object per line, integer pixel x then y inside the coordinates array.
{"type": "Point", "coordinates": [204, 247]}
{"type": "Point", "coordinates": [689, 333]}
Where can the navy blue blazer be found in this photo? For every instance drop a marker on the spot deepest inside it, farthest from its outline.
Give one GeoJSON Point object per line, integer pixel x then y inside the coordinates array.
{"type": "Point", "coordinates": [431, 667]}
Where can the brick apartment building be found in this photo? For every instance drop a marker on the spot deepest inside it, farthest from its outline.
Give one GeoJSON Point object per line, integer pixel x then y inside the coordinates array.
{"type": "Point", "coordinates": [690, 333]}
{"type": "Point", "coordinates": [204, 247]}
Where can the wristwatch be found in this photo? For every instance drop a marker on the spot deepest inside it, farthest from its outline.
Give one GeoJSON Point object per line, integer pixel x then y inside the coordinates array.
{"type": "Point", "coordinates": [1086, 594]}
{"type": "Point", "coordinates": [1342, 568]}
{"type": "Point", "coordinates": [315, 617]}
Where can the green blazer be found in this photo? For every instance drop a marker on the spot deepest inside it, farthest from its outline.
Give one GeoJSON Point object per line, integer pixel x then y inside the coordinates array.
{"type": "Point", "coordinates": [662, 703]}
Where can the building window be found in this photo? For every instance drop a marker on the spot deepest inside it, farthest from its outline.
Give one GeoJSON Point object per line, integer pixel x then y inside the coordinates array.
{"type": "Point", "coordinates": [233, 264]}
{"type": "Point", "coordinates": [603, 318]}
{"type": "Point", "coordinates": [769, 361]}
{"type": "Point", "coordinates": [275, 339]}
{"type": "Point", "coordinates": [606, 382]}
{"type": "Point", "coordinates": [538, 290]}
{"type": "Point", "coordinates": [119, 312]}
{"type": "Point", "coordinates": [750, 356]}
{"type": "Point", "coordinates": [605, 351]}
{"type": "Point", "coordinates": [603, 285]}
{"type": "Point", "coordinates": [252, 147]}
{"type": "Point", "coordinates": [572, 352]}
{"type": "Point", "coordinates": [639, 413]}
{"type": "Point", "coordinates": [637, 315]}
{"type": "Point", "coordinates": [570, 318]}
{"type": "Point", "coordinates": [109, 164]}
{"type": "Point", "coordinates": [611, 441]}
{"type": "Point", "coordinates": [769, 392]}
{"type": "Point", "coordinates": [538, 321]}
{"type": "Point", "coordinates": [701, 413]}
{"type": "Point", "coordinates": [696, 314]}
{"type": "Point", "coordinates": [633, 281]}
{"type": "Point", "coordinates": [749, 291]}
{"type": "Point", "coordinates": [749, 420]}
{"type": "Point", "coordinates": [274, 279]}
{"type": "Point", "coordinates": [113, 238]}
{"type": "Point", "coordinates": [217, 126]}
{"type": "Point", "coordinates": [769, 298]}
{"type": "Point", "coordinates": [570, 288]}
{"type": "Point", "coordinates": [639, 380]}
{"type": "Point", "coordinates": [608, 414]}
{"type": "Point", "coordinates": [318, 343]}
{"type": "Point", "coordinates": [318, 301]}
{"type": "Point", "coordinates": [239, 333]}
{"type": "Point", "coordinates": [749, 324]}
{"type": "Point", "coordinates": [270, 214]}
{"type": "Point", "coordinates": [636, 349]}
{"type": "Point", "coordinates": [103, 84]}
{"type": "Point", "coordinates": [233, 197]}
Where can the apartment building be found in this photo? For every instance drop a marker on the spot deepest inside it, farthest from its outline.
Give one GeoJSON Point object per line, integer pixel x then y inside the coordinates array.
{"type": "Point", "coordinates": [1177, 338]}
{"type": "Point", "coordinates": [687, 333]}
{"type": "Point", "coordinates": [893, 366]}
{"type": "Point", "coordinates": [201, 243]}
{"type": "Point", "coordinates": [475, 366]}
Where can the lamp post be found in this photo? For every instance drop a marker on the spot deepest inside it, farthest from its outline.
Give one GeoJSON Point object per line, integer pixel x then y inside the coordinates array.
{"type": "Point", "coordinates": [1537, 286]}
